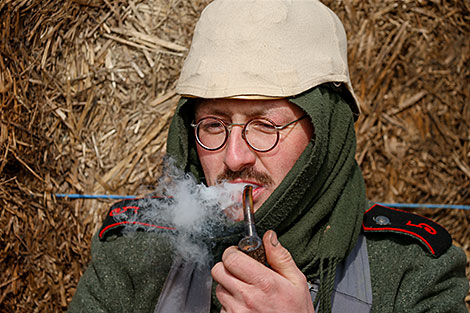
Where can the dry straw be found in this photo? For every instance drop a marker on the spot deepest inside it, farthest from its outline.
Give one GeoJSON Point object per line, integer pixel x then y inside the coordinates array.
{"type": "Point", "coordinates": [87, 91]}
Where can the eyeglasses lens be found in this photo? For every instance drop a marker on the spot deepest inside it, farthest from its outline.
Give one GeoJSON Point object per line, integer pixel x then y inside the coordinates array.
{"type": "Point", "coordinates": [211, 133]}
{"type": "Point", "coordinates": [261, 134]}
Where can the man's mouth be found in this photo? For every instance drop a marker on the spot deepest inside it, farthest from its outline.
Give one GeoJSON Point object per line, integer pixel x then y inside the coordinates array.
{"type": "Point", "coordinates": [260, 181]}
{"type": "Point", "coordinates": [235, 211]}
{"type": "Point", "coordinates": [257, 188]}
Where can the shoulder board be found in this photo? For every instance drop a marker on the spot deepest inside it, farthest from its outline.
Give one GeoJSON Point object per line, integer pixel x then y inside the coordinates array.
{"type": "Point", "coordinates": [127, 212]}
{"type": "Point", "coordinates": [431, 235]}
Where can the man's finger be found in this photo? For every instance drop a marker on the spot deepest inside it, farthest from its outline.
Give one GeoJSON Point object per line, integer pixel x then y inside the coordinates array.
{"type": "Point", "coordinates": [226, 279]}
{"type": "Point", "coordinates": [223, 295]}
{"type": "Point", "coordinates": [243, 267]}
{"type": "Point", "coordinates": [280, 259]}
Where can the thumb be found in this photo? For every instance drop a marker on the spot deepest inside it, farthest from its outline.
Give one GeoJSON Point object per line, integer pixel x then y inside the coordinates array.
{"type": "Point", "coordinates": [279, 258]}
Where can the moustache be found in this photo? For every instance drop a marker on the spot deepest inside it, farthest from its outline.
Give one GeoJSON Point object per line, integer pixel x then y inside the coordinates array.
{"type": "Point", "coordinates": [246, 174]}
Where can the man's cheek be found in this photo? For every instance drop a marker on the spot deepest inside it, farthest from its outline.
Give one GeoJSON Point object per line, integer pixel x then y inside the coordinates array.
{"type": "Point", "coordinates": [208, 171]}
{"type": "Point", "coordinates": [212, 177]}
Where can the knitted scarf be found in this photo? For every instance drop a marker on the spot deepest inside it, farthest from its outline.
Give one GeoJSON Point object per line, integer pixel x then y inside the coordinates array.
{"type": "Point", "coordinates": [317, 209]}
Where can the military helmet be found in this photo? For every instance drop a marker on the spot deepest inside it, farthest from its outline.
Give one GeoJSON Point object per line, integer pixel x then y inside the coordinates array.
{"type": "Point", "coordinates": [264, 49]}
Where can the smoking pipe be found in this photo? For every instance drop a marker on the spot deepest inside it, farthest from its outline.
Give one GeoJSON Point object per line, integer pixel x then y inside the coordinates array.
{"type": "Point", "coordinates": [251, 244]}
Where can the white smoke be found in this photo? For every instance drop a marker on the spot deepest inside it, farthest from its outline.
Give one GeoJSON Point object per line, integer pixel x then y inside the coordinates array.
{"type": "Point", "coordinates": [196, 211]}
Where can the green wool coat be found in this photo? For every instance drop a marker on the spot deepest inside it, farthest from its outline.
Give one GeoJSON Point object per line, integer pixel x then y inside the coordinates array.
{"type": "Point", "coordinates": [127, 274]}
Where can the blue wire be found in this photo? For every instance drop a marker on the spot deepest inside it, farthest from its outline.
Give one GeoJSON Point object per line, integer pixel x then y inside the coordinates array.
{"type": "Point", "coordinates": [392, 205]}
{"type": "Point", "coordinates": [78, 196]}
{"type": "Point", "coordinates": [426, 206]}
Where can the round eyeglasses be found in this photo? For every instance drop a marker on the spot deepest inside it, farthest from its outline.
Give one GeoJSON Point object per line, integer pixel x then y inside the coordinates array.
{"type": "Point", "coordinates": [261, 134]}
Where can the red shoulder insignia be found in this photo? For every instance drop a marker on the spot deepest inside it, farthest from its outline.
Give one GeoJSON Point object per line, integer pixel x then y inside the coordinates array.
{"type": "Point", "coordinates": [431, 235]}
{"type": "Point", "coordinates": [129, 212]}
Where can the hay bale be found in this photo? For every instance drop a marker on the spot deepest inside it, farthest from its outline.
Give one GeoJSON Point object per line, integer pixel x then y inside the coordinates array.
{"type": "Point", "coordinates": [87, 90]}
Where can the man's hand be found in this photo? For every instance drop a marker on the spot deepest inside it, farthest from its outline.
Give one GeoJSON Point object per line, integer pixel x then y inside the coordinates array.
{"type": "Point", "coordinates": [246, 285]}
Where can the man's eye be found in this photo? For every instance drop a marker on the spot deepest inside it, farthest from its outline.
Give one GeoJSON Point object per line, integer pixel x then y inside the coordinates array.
{"type": "Point", "coordinates": [212, 127]}
{"type": "Point", "coordinates": [262, 126]}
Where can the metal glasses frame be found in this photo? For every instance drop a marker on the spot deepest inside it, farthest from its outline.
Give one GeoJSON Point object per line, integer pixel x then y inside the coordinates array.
{"type": "Point", "coordinates": [228, 129]}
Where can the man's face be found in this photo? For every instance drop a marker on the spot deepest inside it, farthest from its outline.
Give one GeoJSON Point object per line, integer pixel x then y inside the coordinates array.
{"type": "Point", "coordinates": [236, 162]}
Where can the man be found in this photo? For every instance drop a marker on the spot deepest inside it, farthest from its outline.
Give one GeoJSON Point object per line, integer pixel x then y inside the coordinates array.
{"type": "Point", "coordinates": [267, 101]}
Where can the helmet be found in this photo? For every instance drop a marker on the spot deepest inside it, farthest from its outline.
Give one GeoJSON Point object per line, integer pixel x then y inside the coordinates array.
{"type": "Point", "coordinates": [261, 49]}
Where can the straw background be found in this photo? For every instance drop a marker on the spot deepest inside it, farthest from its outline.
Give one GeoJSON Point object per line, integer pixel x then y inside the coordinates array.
{"type": "Point", "coordinates": [87, 91]}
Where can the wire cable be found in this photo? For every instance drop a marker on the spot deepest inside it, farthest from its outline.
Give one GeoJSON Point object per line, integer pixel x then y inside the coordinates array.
{"type": "Point", "coordinates": [392, 205]}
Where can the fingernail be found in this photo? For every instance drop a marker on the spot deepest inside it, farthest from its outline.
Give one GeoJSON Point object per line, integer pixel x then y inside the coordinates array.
{"type": "Point", "coordinates": [228, 252]}
{"type": "Point", "coordinates": [273, 239]}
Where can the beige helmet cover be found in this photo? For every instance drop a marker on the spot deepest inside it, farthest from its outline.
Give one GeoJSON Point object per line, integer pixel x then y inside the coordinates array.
{"type": "Point", "coordinates": [264, 48]}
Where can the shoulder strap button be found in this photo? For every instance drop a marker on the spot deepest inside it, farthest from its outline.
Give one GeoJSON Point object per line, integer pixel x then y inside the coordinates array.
{"type": "Point", "coordinates": [381, 220]}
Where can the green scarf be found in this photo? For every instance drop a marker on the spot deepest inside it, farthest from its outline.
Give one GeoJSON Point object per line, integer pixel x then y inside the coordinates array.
{"type": "Point", "coordinates": [317, 209]}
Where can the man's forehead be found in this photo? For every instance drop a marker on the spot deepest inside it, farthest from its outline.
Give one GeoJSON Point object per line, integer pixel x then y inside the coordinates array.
{"type": "Point", "coordinates": [248, 107]}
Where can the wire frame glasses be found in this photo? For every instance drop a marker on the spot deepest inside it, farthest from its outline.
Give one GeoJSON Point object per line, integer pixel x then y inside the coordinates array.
{"type": "Point", "coordinates": [261, 134]}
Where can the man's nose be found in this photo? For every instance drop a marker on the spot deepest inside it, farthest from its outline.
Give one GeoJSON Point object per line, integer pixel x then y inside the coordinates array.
{"type": "Point", "coordinates": [238, 154]}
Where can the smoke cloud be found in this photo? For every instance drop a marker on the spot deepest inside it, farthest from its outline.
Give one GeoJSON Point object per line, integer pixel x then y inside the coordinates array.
{"type": "Point", "coordinates": [197, 212]}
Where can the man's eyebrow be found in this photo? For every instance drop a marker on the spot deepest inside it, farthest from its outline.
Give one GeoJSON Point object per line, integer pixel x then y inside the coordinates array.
{"type": "Point", "coordinates": [217, 111]}
{"type": "Point", "coordinates": [252, 112]}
